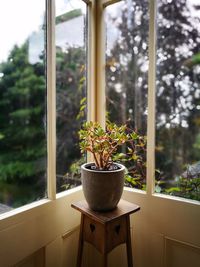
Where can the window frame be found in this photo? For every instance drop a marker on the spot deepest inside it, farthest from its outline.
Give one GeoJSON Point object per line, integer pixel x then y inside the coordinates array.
{"type": "Point", "coordinates": [95, 96]}
{"type": "Point", "coordinates": [150, 182]}
{"type": "Point", "coordinates": [51, 100]}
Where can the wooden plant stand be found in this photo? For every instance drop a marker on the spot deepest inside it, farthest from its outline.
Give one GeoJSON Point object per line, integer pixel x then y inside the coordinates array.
{"type": "Point", "coordinates": [105, 230]}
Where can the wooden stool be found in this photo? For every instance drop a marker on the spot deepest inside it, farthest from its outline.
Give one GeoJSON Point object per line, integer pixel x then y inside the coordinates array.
{"type": "Point", "coordinates": [105, 230]}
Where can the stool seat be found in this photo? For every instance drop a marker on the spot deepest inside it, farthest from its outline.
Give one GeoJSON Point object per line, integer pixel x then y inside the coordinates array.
{"type": "Point", "coordinates": [105, 230]}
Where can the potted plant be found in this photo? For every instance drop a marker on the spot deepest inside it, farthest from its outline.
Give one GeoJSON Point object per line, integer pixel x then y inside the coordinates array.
{"type": "Point", "coordinates": [103, 179]}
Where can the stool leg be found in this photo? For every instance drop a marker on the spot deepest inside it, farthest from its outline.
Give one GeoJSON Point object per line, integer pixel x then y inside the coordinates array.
{"type": "Point", "coordinates": [80, 245]}
{"type": "Point", "coordinates": [128, 243]}
{"type": "Point", "coordinates": [105, 260]}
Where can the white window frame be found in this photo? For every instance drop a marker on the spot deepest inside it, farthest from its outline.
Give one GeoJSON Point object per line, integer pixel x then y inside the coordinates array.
{"type": "Point", "coordinates": [95, 96]}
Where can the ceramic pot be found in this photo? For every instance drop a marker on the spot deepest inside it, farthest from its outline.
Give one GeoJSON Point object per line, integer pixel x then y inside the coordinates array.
{"type": "Point", "coordinates": [102, 189]}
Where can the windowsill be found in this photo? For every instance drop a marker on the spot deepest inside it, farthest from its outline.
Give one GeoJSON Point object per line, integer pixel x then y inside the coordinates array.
{"type": "Point", "coordinates": [32, 208]}
{"type": "Point", "coordinates": [134, 190]}
{"type": "Point", "coordinates": [24, 208]}
{"type": "Point", "coordinates": [79, 188]}
{"type": "Point", "coordinates": [68, 192]}
{"type": "Point", "coordinates": [177, 199]}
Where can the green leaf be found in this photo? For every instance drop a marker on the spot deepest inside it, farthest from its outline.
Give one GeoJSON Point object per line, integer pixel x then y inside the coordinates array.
{"type": "Point", "coordinates": [83, 100]}
{"type": "Point", "coordinates": [173, 189]}
{"type": "Point", "coordinates": [134, 135]}
{"type": "Point", "coordinates": [2, 136]}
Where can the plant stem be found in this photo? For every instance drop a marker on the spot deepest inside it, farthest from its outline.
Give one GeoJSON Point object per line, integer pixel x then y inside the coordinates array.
{"type": "Point", "coordinates": [95, 159]}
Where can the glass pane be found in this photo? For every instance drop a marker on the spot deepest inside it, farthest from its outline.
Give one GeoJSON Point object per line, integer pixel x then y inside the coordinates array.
{"type": "Point", "coordinates": [126, 76]}
{"type": "Point", "coordinates": [178, 99]}
{"type": "Point", "coordinates": [70, 88]}
{"type": "Point", "coordinates": [22, 103]}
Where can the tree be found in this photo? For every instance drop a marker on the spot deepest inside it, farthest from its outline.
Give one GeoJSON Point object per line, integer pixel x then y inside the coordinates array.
{"type": "Point", "coordinates": [127, 67]}
{"type": "Point", "coordinates": [126, 80]}
{"type": "Point", "coordinates": [22, 120]}
{"type": "Point", "coordinates": [177, 87]}
{"type": "Point", "coordinates": [71, 91]}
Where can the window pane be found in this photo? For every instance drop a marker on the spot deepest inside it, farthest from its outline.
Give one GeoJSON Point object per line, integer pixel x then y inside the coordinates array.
{"type": "Point", "coordinates": [178, 99]}
{"type": "Point", "coordinates": [22, 103]}
{"type": "Point", "coordinates": [70, 88]}
{"type": "Point", "coordinates": [126, 75]}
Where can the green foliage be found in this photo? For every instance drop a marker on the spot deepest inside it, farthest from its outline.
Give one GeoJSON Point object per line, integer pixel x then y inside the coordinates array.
{"type": "Point", "coordinates": [102, 143]}
{"type": "Point", "coordinates": [72, 177]}
{"type": "Point", "coordinates": [71, 106]}
{"type": "Point", "coordinates": [187, 185]}
{"type": "Point", "coordinates": [135, 161]}
{"type": "Point", "coordinates": [17, 169]}
{"type": "Point", "coordinates": [105, 143]}
{"type": "Point", "coordinates": [22, 112]}
{"type": "Point", "coordinates": [23, 115]}
{"type": "Point", "coordinates": [187, 188]}
{"type": "Point", "coordinates": [177, 86]}
{"type": "Point", "coordinates": [83, 105]}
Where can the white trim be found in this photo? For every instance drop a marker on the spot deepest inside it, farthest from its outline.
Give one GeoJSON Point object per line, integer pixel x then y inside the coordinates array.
{"type": "Point", "coordinates": [185, 244]}
{"type": "Point", "coordinates": [69, 192]}
{"type": "Point", "coordinates": [96, 103]}
{"type": "Point", "coordinates": [177, 199]}
{"type": "Point", "coordinates": [70, 232]}
{"type": "Point", "coordinates": [135, 190]}
{"type": "Point", "coordinates": [100, 64]}
{"type": "Point", "coordinates": [96, 64]}
{"type": "Point", "coordinates": [23, 208]}
{"type": "Point", "coordinates": [151, 99]}
{"type": "Point", "coordinates": [91, 63]}
{"type": "Point", "coordinates": [110, 2]}
{"type": "Point", "coordinates": [51, 101]}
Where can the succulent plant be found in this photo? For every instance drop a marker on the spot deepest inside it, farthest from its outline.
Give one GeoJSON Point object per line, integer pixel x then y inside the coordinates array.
{"type": "Point", "coordinates": [104, 143]}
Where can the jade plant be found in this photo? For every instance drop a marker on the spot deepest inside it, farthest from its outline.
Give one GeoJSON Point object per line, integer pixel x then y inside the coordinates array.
{"type": "Point", "coordinates": [104, 144]}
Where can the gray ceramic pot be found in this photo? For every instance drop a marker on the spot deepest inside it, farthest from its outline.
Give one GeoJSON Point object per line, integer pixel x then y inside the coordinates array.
{"type": "Point", "coordinates": [102, 189]}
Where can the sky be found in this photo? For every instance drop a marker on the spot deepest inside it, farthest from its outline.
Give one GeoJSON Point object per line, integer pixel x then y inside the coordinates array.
{"type": "Point", "coordinates": [20, 18]}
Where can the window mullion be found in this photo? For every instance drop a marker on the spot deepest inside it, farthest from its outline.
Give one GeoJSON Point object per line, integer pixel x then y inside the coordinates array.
{"type": "Point", "coordinates": [96, 65]}
{"type": "Point", "coordinates": [51, 100]}
{"type": "Point", "coordinates": [151, 100]}
{"type": "Point", "coordinates": [109, 2]}
{"type": "Point", "coordinates": [100, 63]}
{"type": "Point", "coordinates": [91, 63]}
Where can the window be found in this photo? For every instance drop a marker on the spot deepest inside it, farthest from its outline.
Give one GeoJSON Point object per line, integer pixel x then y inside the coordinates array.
{"type": "Point", "coordinates": [178, 99]}
{"type": "Point", "coordinates": [126, 75]}
{"type": "Point", "coordinates": [22, 103]}
{"type": "Point", "coordinates": [70, 40]}
{"type": "Point", "coordinates": [24, 74]}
